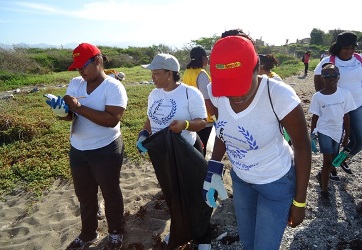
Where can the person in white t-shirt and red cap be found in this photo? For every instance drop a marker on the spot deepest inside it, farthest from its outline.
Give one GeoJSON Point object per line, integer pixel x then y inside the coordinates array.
{"type": "Point", "coordinates": [94, 103]}
{"type": "Point", "coordinates": [269, 179]}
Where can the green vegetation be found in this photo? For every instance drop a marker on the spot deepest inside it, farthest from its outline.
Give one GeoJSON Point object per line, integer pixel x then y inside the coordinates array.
{"type": "Point", "coordinates": [34, 144]}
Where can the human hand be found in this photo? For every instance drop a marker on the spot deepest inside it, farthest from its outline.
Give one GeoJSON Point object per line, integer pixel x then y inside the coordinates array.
{"type": "Point", "coordinates": [213, 182]}
{"type": "Point", "coordinates": [143, 135]}
{"type": "Point", "coordinates": [57, 105]}
{"type": "Point", "coordinates": [177, 126]}
{"type": "Point", "coordinates": [313, 141]}
{"type": "Point", "coordinates": [296, 216]}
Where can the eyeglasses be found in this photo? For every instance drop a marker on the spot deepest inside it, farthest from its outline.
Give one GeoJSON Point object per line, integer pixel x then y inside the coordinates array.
{"type": "Point", "coordinates": [350, 47]}
{"type": "Point", "coordinates": [334, 75]}
{"type": "Point", "coordinates": [87, 63]}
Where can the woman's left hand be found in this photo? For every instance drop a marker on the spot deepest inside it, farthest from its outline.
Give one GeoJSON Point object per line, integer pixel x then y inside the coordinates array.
{"type": "Point", "coordinates": [296, 215]}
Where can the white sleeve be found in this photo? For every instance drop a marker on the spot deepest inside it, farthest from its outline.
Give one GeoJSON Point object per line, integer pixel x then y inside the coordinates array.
{"type": "Point", "coordinates": [214, 100]}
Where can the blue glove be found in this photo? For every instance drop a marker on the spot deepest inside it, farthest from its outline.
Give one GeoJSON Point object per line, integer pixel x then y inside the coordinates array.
{"type": "Point", "coordinates": [58, 105]}
{"type": "Point", "coordinates": [213, 182]}
{"type": "Point", "coordinates": [313, 141]}
{"type": "Point", "coordinates": [143, 135]}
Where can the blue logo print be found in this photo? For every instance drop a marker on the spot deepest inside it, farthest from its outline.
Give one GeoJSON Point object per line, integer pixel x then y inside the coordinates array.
{"type": "Point", "coordinates": [157, 114]}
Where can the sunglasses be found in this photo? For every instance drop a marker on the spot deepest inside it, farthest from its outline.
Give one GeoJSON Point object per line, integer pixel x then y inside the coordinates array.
{"type": "Point", "coordinates": [334, 75]}
{"type": "Point", "coordinates": [87, 63]}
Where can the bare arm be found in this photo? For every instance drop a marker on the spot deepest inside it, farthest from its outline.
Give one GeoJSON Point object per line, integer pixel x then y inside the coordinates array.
{"type": "Point", "coordinates": [211, 109]}
{"type": "Point", "coordinates": [314, 123]}
{"type": "Point", "coordinates": [194, 125]}
{"type": "Point", "coordinates": [296, 126]}
{"type": "Point", "coordinates": [346, 127]}
{"type": "Point", "coordinates": [107, 118]}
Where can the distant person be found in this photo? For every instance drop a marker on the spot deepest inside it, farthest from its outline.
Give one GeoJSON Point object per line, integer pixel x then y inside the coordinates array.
{"type": "Point", "coordinates": [325, 54]}
{"type": "Point", "coordinates": [96, 144]}
{"type": "Point", "coordinates": [267, 63]}
{"type": "Point", "coordinates": [306, 59]}
{"type": "Point", "coordinates": [330, 121]}
{"type": "Point", "coordinates": [342, 54]}
{"type": "Point", "coordinates": [269, 179]}
{"type": "Point", "coordinates": [196, 75]}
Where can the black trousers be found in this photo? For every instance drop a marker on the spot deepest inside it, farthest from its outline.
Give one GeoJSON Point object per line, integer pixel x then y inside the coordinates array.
{"type": "Point", "coordinates": [90, 169]}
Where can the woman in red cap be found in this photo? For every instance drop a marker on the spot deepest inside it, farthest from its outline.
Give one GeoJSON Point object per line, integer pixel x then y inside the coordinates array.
{"type": "Point", "coordinates": [96, 152]}
{"type": "Point", "coordinates": [269, 179]}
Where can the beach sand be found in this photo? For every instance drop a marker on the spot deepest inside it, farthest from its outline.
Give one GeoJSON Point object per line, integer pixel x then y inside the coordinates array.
{"type": "Point", "coordinates": [54, 221]}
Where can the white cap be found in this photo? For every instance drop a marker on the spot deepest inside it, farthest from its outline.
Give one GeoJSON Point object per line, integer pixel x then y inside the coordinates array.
{"type": "Point", "coordinates": [164, 61]}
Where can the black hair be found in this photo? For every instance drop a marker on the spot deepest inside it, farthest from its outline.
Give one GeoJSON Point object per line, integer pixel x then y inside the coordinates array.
{"type": "Point", "coordinates": [237, 32]}
{"type": "Point", "coordinates": [268, 61]}
{"type": "Point", "coordinates": [240, 32]}
{"type": "Point", "coordinates": [176, 76]}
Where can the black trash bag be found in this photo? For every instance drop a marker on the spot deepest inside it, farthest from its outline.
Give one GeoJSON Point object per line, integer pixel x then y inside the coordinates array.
{"type": "Point", "coordinates": [181, 171]}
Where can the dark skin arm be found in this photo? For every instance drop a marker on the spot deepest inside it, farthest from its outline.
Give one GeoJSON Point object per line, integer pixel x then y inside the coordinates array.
{"type": "Point", "coordinates": [218, 150]}
{"type": "Point", "coordinates": [313, 123]}
{"type": "Point", "coordinates": [296, 126]}
{"type": "Point", "coordinates": [107, 118]}
{"type": "Point", "coordinates": [211, 109]}
{"type": "Point", "coordinates": [346, 126]}
{"type": "Point", "coordinates": [194, 125]}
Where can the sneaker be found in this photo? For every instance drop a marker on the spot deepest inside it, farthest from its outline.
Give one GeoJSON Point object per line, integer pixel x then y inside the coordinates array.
{"type": "Point", "coordinates": [204, 247]}
{"type": "Point", "coordinates": [319, 179]}
{"type": "Point", "coordinates": [334, 177]}
{"type": "Point", "coordinates": [346, 168]}
{"type": "Point", "coordinates": [80, 244]}
{"type": "Point", "coordinates": [115, 241]}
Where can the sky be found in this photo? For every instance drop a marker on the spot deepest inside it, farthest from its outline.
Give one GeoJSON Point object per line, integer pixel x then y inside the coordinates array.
{"type": "Point", "coordinates": [175, 23]}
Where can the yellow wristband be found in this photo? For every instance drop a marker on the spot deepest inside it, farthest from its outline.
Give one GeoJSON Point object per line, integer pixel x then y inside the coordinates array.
{"type": "Point", "coordinates": [187, 124]}
{"type": "Point", "coordinates": [299, 204]}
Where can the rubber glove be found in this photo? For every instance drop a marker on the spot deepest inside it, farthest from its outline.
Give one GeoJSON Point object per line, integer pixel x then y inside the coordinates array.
{"type": "Point", "coordinates": [57, 105]}
{"type": "Point", "coordinates": [313, 141]}
{"type": "Point", "coordinates": [143, 135]}
{"type": "Point", "coordinates": [213, 182]}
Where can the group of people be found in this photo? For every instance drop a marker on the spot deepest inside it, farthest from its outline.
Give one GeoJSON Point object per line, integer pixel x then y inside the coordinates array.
{"type": "Point", "coordinates": [337, 107]}
{"type": "Point", "coordinates": [242, 98]}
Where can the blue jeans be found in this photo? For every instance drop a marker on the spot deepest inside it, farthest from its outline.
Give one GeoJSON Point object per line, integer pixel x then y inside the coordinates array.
{"type": "Point", "coordinates": [355, 137]}
{"type": "Point", "coordinates": [262, 211]}
{"type": "Point", "coordinates": [327, 145]}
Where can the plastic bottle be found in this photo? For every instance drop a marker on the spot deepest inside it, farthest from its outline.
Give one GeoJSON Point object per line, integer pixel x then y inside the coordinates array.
{"type": "Point", "coordinates": [341, 157]}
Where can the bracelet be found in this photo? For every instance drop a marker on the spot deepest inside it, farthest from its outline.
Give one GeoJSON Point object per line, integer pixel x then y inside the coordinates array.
{"type": "Point", "coordinates": [299, 204]}
{"type": "Point", "coordinates": [187, 124]}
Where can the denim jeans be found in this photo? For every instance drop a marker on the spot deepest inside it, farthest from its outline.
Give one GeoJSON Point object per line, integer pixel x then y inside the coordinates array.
{"type": "Point", "coordinates": [327, 145]}
{"type": "Point", "coordinates": [262, 211]}
{"type": "Point", "coordinates": [90, 169]}
{"type": "Point", "coordinates": [355, 137]}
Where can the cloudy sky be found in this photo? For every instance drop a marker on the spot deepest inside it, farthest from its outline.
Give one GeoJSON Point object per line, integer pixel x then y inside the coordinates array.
{"type": "Point", "coordinates": [170, 22]}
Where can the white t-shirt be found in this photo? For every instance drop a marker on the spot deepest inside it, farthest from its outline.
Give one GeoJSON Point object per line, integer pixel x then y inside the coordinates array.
{"type": "Point", "coordinates": [330, 109]}
{"type": "Point", "coordinates": [255, 147]}
{"type": "Point", "coordinates": [182, 103]}
{"type": "Point", "coordinates": [86, 135]}
{"type": "Point", "coordinates": [350, 76]}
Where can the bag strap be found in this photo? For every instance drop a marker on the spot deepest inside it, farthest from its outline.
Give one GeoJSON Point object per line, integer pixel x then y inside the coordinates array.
{"type": "Point", "coordinates": [332, 58]}
{"type": "Point", "coordinates": [280, 125]}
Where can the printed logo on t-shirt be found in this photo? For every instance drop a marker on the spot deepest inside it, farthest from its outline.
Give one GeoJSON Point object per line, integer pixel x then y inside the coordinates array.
{"type": "Point", "coordinates": [235, 153]}
{"type": "Point", "coordinates": [161, 112]}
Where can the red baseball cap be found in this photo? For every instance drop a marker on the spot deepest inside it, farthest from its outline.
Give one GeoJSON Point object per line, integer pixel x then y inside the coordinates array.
{"type": "Point", "coordinates": [232, 63]}
{"type": "Point", "coordinates": [82, 54]}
